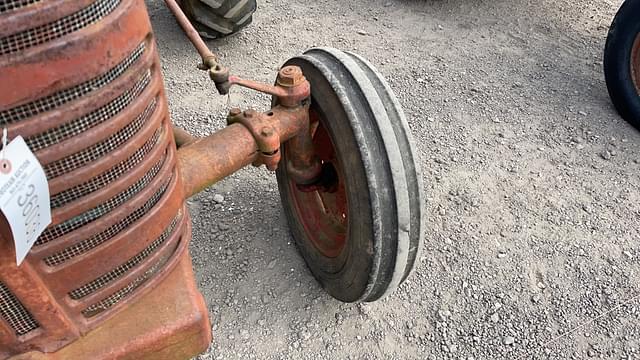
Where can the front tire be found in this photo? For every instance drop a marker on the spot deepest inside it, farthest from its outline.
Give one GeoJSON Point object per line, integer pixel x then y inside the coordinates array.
{"type": "Point", "coordinates": [361, 234]}
{"type": "Point", "coordinates": [622, 62]}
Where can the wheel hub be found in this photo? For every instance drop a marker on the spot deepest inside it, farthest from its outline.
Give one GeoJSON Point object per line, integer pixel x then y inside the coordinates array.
{"type": "Point", "coordinates": [323, 205]}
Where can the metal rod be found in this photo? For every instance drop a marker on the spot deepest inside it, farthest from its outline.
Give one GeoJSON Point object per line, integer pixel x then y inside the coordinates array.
{"type": "Point", "coordinates": [257, 86]}
{"type": "Point", "coordinates": [208, 58]}
{"type": "Point", "coordinates": [206, 161]}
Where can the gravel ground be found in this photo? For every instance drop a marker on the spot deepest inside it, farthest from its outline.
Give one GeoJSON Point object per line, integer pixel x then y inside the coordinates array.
{"type": "Point", "coordinates": [533, 240]}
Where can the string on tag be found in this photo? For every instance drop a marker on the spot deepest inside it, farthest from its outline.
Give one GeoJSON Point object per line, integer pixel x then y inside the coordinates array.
{"type": "Point", "coordinates": [4, 141]}
{"type": "Point", "coordinates": [231, 100]}
{"type": "Point", "coordinates": [5, 165]}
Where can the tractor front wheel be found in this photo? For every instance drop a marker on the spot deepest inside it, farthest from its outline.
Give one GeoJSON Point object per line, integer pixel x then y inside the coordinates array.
{"type": "Point", "coordinates": [359, 228]}
{"type": "Point", "coordinates": [622, 62]}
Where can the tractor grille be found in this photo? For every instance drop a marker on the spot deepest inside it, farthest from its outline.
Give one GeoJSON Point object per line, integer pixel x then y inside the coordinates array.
{"type": "Point", "coordinates": [66, 227]}
{"type": "Point", "coordinates": [62, 97]}
{"type": "Point", "coordinates": [102, 148]}
{"type": "Point", "coordinates": [108, 302]}
{"type": "Point", "coordinates": [88, 121]}
{"type": "Point", "coordinates": [14, 313]}
{"type": "Point", "coordinates": [121, 270]}
{"type": "Point", "coordinates": [8, 5]}
{"type": "Point", "coordinates": [93, 110]}
{"type": "Point", "coordinates": [91, 243]}
{"type": "Point", "coordinates": [67, 25]}
{"type": "Point", "coordinates": [67, 196]}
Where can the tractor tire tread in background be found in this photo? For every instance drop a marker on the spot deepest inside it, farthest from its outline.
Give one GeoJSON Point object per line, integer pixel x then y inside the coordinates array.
{"type": "Point", "coordinates": [219, 18]}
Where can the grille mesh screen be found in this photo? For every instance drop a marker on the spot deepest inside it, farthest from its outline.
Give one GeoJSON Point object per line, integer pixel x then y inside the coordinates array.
{"type": "Point", "coordinates": [85, 218]}
{"type": "Point", "coordinates": [14, 313]}
{"type": "Point", "coordinates": [83, 123]}
{"type": "Point", "coordinates": [100, 181]}
{"type": "Point", "coordinates": [126, 267]}
{"type": "Point", "coordinates": [47, 32]}
{"type": "Point", "coordinates": [62, 97]}
{"type": "Point", "coordinates": [8, 5]}
{"type": "Point", "coordinates": [108, 302]}
{"type": "Point", "coordinates": [115, 229]}
{"type": "Point", "coordinates": [100, 149]}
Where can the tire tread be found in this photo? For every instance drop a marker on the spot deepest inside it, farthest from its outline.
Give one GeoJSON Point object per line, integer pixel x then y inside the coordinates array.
{"type": "Point", "coordinates": [624, 29]}
{"type": "Point", "coordinates": [219, 18]}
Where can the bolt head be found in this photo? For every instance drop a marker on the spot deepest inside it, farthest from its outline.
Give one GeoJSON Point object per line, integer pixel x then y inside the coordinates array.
{"type": "Point", "coordinates": [290, 76]}
{"type": "Point", "coordinates": [235, 112]}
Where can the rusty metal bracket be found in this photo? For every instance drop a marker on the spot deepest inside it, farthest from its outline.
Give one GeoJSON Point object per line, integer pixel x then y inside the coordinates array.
{"type": "Point", "coordinates": [205, 161]}
{"type": "Point", "coordinates": [255, 138]}
{"type": "Point", "coordinates": [220, 76]}
{"type": "Point", "coordinates": [288, 121]}
{"type": "Point", "coordinates": [266, 137]}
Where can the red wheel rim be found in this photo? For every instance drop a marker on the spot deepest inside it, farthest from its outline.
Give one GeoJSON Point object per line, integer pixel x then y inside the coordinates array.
{"type": "Point", "coordinates": [635, 63]}
{"type": "Point", "coordinates": [324, 213]}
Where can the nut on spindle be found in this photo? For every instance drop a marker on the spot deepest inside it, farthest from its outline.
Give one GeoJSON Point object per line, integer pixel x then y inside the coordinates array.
{"type": "Point", "coordinates": [290, 76]}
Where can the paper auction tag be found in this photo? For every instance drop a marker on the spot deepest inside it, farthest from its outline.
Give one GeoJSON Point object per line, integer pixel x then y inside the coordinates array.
{"type": "Point", "coordinates": [24, 195]}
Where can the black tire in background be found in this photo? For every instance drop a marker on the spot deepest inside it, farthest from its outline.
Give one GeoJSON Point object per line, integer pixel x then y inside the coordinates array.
{"type": "Point", "coordinates": [622, 62]}
{"type": "Point", "coordinates": [219, 18]}
{"type": "Point", "coordinates": [377, 245]}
